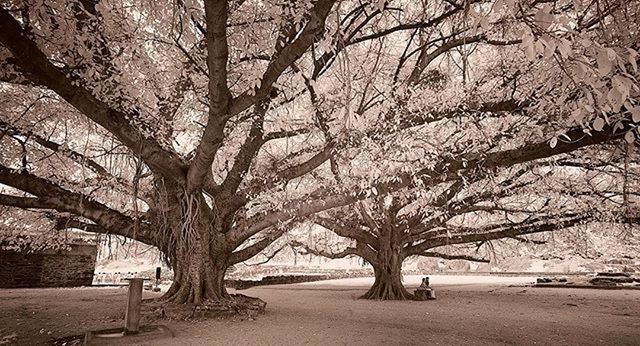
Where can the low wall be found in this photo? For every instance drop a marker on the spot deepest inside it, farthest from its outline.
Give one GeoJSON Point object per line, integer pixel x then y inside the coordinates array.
{"type": "Point", "coordinates": [59, 268]}
{"type": "Point", "coordinates": [285, 279]}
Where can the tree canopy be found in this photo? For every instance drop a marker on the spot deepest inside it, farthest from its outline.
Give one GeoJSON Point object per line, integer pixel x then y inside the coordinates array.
{"type": "Point", "coordinates": [457, 220]}
{"type": "Point", "coordinates": [205, 128]}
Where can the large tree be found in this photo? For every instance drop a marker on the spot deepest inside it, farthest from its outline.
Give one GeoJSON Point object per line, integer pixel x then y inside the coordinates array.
{"type": "Point", "coordinates": [201, 128]}
{"type": "Point", "coordinates": [541, 196]}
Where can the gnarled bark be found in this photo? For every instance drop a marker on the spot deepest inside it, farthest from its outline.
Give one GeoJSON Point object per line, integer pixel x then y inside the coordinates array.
{"type": "Point", "coordinates": [197, 251]}
{"type": "Point", "coordinates": [198, 277]}
{"type": "Point", "coordinates": [387, 265]}
{"type": "Point", "coordinates": [388, 284]}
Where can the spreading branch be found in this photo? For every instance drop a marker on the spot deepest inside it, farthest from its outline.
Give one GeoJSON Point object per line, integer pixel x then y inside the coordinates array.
{"type": "Point", "coordinates": [254, 249]}
{"type": "Point", "coordinates": [447, 170]}
{"type": "Point", "coordinates": [33, 62]}
{"type": "Point", "coordinates": [453, 257]}
{"type": "Point", "coordinates": [52, 196]}
{"type": "Point", "coordinates": [349, 251]}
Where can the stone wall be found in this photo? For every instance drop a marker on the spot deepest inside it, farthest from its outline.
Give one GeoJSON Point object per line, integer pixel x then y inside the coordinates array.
{"type": "Point", "coordinates": [240, 284]}
{"type": "Point", "coordinates": [60, 268]}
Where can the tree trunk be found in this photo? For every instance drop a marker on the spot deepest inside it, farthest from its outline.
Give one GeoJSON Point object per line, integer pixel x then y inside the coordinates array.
{"type": "Point", "coordinates": [197, 250]}
{"type": "Point", "coordinates": [388, 284]}
{"type": "Point", "coordinates": [387, 266]}
{"type": "Point", "coordinates": [198, 276]}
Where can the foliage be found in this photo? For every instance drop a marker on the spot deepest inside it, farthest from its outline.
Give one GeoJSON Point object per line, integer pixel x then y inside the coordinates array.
{"type": "Point", "coordinates": [206, 128]}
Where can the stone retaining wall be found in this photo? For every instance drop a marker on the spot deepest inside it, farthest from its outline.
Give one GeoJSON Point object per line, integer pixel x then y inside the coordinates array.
{"type": "Point", "coordinates": [285, 279]}
{"type": "Point", "coordinates": [59, 268]}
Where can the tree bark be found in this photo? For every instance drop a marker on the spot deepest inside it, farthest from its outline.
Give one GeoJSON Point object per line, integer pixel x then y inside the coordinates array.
{"type": "Point", "coordinates": [388, 268]}
{"type": "Point", "coordinates": [194, 245]}
{"type": "Point", "coordinates": [198, 276]}
{"type": "Point", "coordinates": [199, 268]}
{"type": "Point", "coordinates": [388, 284]}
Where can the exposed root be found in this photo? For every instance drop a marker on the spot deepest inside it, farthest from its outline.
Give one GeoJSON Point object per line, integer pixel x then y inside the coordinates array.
{"type": "Point", "coordinates": [386, 290]}
{"type": "Point", "coordinates": [233, 306]}
{"type": "Point", "coordinates": [189, 293]}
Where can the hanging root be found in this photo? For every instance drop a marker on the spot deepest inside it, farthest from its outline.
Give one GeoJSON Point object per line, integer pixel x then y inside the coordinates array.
{"type": "Point", "coordinates": [187, 232]}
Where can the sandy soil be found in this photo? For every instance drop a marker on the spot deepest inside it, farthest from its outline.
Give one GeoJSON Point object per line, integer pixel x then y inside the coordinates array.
{"type": "Point", "coordinates": [466, 312]}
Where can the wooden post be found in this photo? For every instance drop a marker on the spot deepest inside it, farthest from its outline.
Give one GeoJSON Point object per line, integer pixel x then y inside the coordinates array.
{"type": "Point", "coordinates": [132, 317]}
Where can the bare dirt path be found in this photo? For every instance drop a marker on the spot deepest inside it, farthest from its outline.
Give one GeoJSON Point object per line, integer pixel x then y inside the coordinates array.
{"type": "Point", "coordinates": [329, 313]}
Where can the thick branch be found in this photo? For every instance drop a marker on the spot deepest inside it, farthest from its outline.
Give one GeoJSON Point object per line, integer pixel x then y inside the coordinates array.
{"type": "Point", "coordinates": [23, 202]}
{"type": "Point", "coordinates": [286, 174]}
{"type": "Point", "coordinates": [426, 58]}
{"type": "Point", "coordinates": [351, 230]}
{"type": "Point", "coordinates": [248, 151]}
{"type": "Point", "coordinates": [446, 170]}
{"type": "Point", "coordinates": [453, 257]}
{"type": "Point", "coordinates": [254, 249]}
{"type": "Point", "coordinates": [350, 251]}
{"type": "Point", "coordinates": [219, 95]}
{"type": "Point", "coordinates": [37, 67]}
{"type": "Point", "coordinates": [410, 26]}
{"type": "Point", "coordinates": [52, 196]}
{"type": "Point", "coordinates": [55, 147]}
{"type": "Point", "coordinates": [285, 134]}
{"type": "Point", "coordinates": [288, 55]}
{"type": "Point", "coordinates": [63, 223]}
{"type": "Point", "coordinates": [487, 107]}
{"type": "Point", "coordinates": [500, 231]}
{"type": "Point", "coordinates": [303, 208]}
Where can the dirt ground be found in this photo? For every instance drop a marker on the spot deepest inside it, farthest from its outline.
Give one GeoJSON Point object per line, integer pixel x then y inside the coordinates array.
{"type": "Point", "coordinates": [329, 313]}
